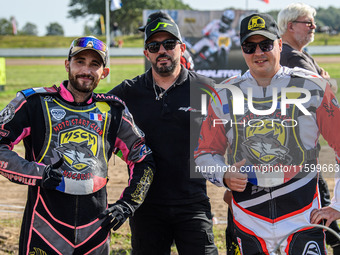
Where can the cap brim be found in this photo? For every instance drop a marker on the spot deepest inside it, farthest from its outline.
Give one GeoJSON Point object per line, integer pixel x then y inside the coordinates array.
{"type": "Point", "coordinates": [260, 32]}
{"type": "Point", "coordinates": [142, 28]}
{"type": "Point", "coordinates": [101, 54]}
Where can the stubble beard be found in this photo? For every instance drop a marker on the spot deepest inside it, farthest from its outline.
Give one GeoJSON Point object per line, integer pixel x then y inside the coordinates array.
{"type": "Point", "coordinates": [165, 70]}
{"type": "Point", "coordinates": [304, 41]}
{"type": "Point", "coordinates": [73, 79]}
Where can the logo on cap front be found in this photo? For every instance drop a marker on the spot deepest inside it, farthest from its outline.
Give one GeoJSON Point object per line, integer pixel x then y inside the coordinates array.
{"type": "Point", "coordinates": [161, 23]}
{"type": "Point", "coordinates": [256, 23]}
{"type": "Point", "coordinates": [89, 44]}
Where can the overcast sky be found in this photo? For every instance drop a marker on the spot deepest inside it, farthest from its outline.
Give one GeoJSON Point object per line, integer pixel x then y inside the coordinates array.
{"type": "Point", "coordinates": [43, 12]}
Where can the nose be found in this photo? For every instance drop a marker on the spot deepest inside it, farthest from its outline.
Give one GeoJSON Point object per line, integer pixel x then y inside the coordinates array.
{"type": "Point", "coordinates": [258, 50]}
{"type": "Point", "coordinates": [161, 49]}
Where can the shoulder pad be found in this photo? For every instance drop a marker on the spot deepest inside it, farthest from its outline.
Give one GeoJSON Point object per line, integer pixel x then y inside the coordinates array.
{"type": "Point", "coordinates": [309, 75]}
{"type": "Point", "coordinates": [42, 90]}
{"type": "Point", "coordinates": [109, 98]}
{"type": "Point", "coordinates": [232, 80]}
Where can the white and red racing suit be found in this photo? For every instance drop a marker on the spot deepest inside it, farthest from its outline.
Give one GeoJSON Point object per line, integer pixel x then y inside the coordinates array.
{"type": "Point", "coordinates": [214, 38]}
{"type": "Point", "coordinates": [264, 216]}
{"type": "Point", "coordinates": [51, 125]}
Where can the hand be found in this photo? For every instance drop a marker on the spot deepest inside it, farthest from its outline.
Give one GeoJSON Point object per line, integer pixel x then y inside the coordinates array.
{"type": "Point", "coordinates": [327, 213]}
{"type": "Point", "coordinates": [115, 215]}
{"type": "Point", "coordinates": [227, 197]}
{"type": "Point", "coordinates": [235, 180]}
{"type": "Point", "coordinates": [324, 74]}
{"type": "Point", "coordinates": [52, 176]}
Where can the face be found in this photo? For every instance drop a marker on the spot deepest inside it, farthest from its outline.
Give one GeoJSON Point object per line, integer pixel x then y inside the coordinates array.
{"type": "Point", "coordinates": [263, 64]}
{"type": "Point", "coordinates": [303, 32]}
{"type": "Point", "coordinates": [85, 71]}
{"type": "Point", "coordinates": [165, 62]}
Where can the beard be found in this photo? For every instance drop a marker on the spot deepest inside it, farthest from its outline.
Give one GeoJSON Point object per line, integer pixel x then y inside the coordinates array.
{"type": "Point", "coordinates": [81, 86]}
{"type": "Point", "coordinates": [305, 39]}
{"type": "Point", "coordinates": [165, 70]}
{"type": "Point", "coordinates": [311, 38]}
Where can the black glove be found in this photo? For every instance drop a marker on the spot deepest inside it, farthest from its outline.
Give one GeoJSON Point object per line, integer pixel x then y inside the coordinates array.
{"type": "Point", "coordinates": [52, 176]}
{"type": "Point", "coordinates": [116, 215]}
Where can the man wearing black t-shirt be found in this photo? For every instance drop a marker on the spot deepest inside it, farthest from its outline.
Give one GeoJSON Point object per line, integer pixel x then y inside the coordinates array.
{"type": "Point", "coordinates": [177, 208]}
{"type": "Point", "coordinates": [296, 26]}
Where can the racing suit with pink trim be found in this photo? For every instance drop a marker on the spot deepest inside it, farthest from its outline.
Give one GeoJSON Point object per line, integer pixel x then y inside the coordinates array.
{"type": "Point", "coordinates": [51, 125]}
{"type": "Point", "coordinates": [264, 216]}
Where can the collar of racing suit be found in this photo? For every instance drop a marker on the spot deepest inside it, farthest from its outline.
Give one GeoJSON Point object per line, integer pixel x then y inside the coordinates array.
{"type": "Point", "coordinates": [282, 72]}
{"type": "Point", "coordinates": [67, 96]}
{"type": "Point", "coordinates": [180, 80]}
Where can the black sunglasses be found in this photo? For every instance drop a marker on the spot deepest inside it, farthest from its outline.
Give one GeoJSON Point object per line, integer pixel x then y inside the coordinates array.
{"type": "Point", "coordinates": [307, 23]}
{"type": "Point", "coordinates": [250, 47]}
{"type": "Point", "coordinates": [168, 44]}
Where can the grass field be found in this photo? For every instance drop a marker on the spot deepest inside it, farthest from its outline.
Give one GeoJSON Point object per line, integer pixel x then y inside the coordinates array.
{"type": "Point", "coordinates": [25, 76]}
{"type": "Point", "coordinates": [21, 41]}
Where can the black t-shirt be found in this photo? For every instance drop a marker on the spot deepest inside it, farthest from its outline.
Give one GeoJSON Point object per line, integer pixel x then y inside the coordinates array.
{"type": "Point", "coordinates": [169, 133]}
{"type": "Point", "coordinates": [294, 58]}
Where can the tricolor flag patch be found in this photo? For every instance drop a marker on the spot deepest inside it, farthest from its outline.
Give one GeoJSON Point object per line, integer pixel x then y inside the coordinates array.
{"type": "Point", "coordinates": [96, 116]}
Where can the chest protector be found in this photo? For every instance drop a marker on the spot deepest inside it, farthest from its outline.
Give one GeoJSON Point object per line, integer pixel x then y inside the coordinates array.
{"type": "Point", "coordinates": [270, 140]}
{"type": "Point", "coordinates": [79, 135]}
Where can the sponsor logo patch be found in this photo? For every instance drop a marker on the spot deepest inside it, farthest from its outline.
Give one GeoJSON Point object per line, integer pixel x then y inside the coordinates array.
{"type": "Point", "coordinates": [256, 23]}
{"type": "Point", "coordinates": [266, 144]}
{"type": "Point", "coordinates": [311, 248]}
{"type": "Point", "coordinates": [7, 114]}
{"type": "Point", "coordinates": [58, 114]}
{"type": "Point", "coordinates": [79, 147]}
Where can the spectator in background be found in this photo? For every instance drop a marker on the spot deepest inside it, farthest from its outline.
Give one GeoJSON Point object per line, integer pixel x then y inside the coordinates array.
{"type": "Point", "coordinates": [332, 212]}
{"type": "Point", "coordinates": [296, 27]}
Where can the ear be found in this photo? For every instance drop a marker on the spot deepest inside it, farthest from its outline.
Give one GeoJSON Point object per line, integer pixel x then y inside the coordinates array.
{"type": "Point", "coordinates": [290, 26]}
{"type": "Point", "coordinates": [280, 44]}
{"type": "Point", "coordinates": [146, 54]}
{"type": "Point", "coordinates": [105, 73]}
{"type": "Point", "coordinates": [67, 65]}
{"type": "Point", "coordinates": [183, 47]}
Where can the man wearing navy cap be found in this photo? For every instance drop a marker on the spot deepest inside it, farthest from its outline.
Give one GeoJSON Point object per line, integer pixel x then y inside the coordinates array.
{"type": "Point", "coordinates": [177, 209]}
{"type": "Point", "coordinates": [272, 145]}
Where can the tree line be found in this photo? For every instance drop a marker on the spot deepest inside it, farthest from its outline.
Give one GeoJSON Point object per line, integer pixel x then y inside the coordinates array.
{"type": "Point", "coordinates": [128, 18]}
{"type": "Point", "coordinates": [6, 28]}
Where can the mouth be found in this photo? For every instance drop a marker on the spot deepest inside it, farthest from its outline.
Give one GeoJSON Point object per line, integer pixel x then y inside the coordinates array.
{"type": "Point", "coordinates": [261, 61]}
{"type": "Point", "coordinates": [85, 77]}
{"type": "Point", "coordinates": [163, 59]}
